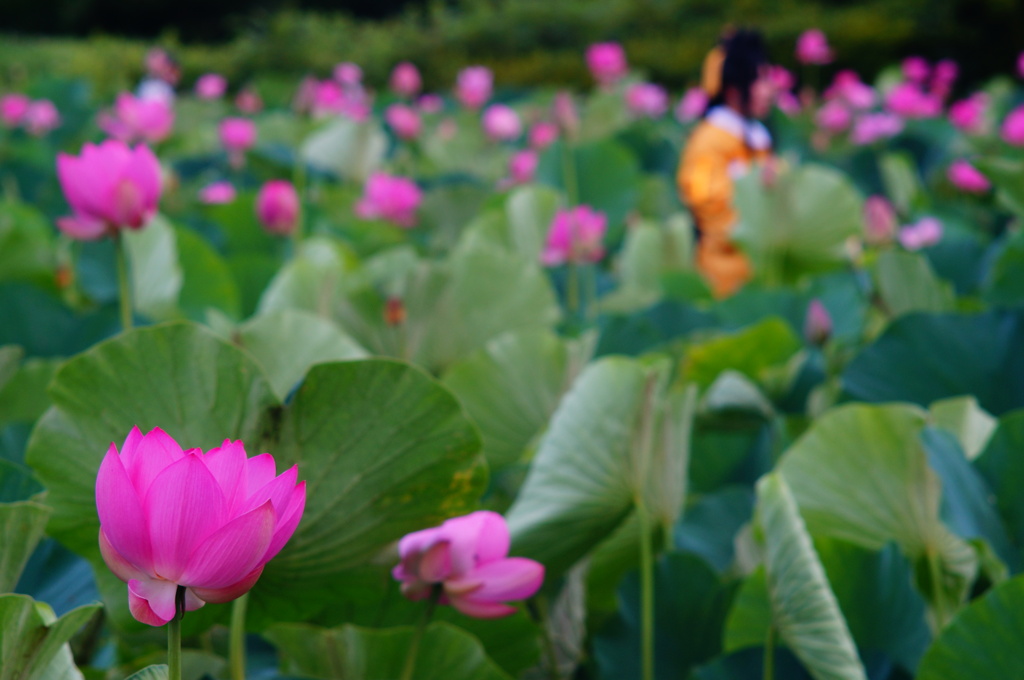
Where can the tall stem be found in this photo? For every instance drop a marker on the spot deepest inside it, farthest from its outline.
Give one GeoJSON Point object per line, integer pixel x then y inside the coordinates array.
{"type": "Point", "coordinates": [540, 608]}
{"type": "Point", "coordinates": [938, 597]}
{"type": "Point", "coordinates": [646, 592]}
{"type": "Point", "coordinates": [174, 636]}
{"type": "Point", "coordinates": [417, 637]}
{"type": "Point", "coordinates": [768, 673]}
{"type": "Point", "coordinates": [236, 643]}
{"type": "Point", "coordinates": [124, 287]}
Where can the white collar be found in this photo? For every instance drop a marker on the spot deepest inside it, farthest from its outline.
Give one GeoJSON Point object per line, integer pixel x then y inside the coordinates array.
{"type": "Point", "coordinates": [752, 132]}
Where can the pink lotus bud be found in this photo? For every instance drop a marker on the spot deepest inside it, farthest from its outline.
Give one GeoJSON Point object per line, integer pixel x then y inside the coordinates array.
{"type": "Point", "coordinates": [211, 86]}
{"type": "Point", "coordinates": [575, 235]}
{"type": "Point", "coordinates": [543, 134]}
{"type": "Point", "coordinates": [969, 115]}
{"type": "Point", "coordinates": [523, 166]}
{"type": "Point", "coordinates": [394, 199]}
{"type": "Point", "coordinates": [348, 73]}
{"type": "Point", "coordinates": [925, 232]}
{"type": "Point", "coordinates": [607, 62]}
{"type": "Point", "coordinates": [817, 323]}
{"type": "Point", "coordinates": [946, 72]}
{"type": "Point", "coordinates": [405, 80]}
{"type": "Point", "coordinates": [1013, 127]}
{"type": "Point", "coordinates": [217, 193]}
{"type": "Point", "coordinates": [135, 119]}
{"type": "Point", "coordinates": [109, 186]}
{"type": "Point", "coordinates": [41, 117]}
{"type": "Point", "coordinates": [13, 108]}
{"type": "Point", "coordinates": [248, 101]}
{"type": "Point", "coordinates": [430, 103]}
{"type": "Point", "coordinates": [208, 522]}
{"type": "Point", "coordinates": [692, 105]}
{"type": "Point", "coordinates": [474, 85]}
{"type": "Point", "coordinates": [879, 220]}
{"type": "Point", "coordinates": [781, 78]}
{"type": "Point", "coordinates": [277, 207]}
{"type": "Point", "coordinates": [870, 128]}
{"type": "Point", "coordinates": [403, 120]}
{"type": "Point", "coordinates": [834, 117]}
{"type": "Point", "coordinates": [647, 100]}
{"type": "Point", "coordinates": [501, 123]}
{"type": "Point", "coordinates": [916, 69]}
{"type": "Point", "coordinates": [237, 135]}
{"type": "Point", "coordinates": [467, 559]}
{"type": "Point", "coordinates": [966, 177]}
{"type": "Point", "coordinates": [565, 113]}
{"type": "Point", "coordinates": [812, 48]}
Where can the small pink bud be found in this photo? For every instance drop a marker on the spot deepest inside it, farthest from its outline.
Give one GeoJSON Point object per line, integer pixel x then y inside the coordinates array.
{"type": "Point", "coordinates": [925, 232]}
{"type": "Point", "coordinates": [1012, 129]}
{"type": "Point", "coordinates": [41, 117]}
{"type": "Point", "coordinates": [248, 101]}
{"type": "Point", "coordinates": [966, 177]}
{"type": "Point", "coordinates": [969, 115]}
{"type": "Point", "coordinates": [211, 86]}
{"type": "Point", "coordinates": [348, 73]}
{"type": "Point", "coordinates": [575, 235]}
{"type": "Point", "coordinates": [812, 48]}
{"type": "Point", "coordinates": [833, 117]}
{"type": "Point", "coordinates": [217, 193]}
{"type": "Point", "coordinates": [543, 134]}
{"type": "Point", "coordinates": [817, 323]}
{"type": "Point", "coordinates": [692, 105]}
{"type": "Point", "coordinates": [501, 123]}
{"type": "Point", "coordinates": [403, 120]}
{"type": "Point", "coordinates": [523, 166]}
{"type": "Point", "coordinates": [473, 87]}
{"type": "Point", "coordinates": [647, 100]}
{"type": "Point", "coordinates": [277, 207]}
{"type": "Point", "coordinates": [879, 220]}
{"type": "Point", "coordinates": [394, 199]}
{"type": "Point", "coordinates": [13, 108]}
{"type": "Point", "coordinates": [135, 119]}
{"type": "Point", "coordinates": [405, 80]}
{"type": "Point", "coordinates": [607, 62]}
{"type": "Point", "coordinates": [916, 69]}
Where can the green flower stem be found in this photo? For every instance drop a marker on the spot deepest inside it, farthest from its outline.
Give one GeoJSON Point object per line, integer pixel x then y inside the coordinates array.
{"type": "Point", "coordinates": [539, 610]}
{"type": "Point", "coordinates": [300, 181]}
{"type": "Point", "coordinates": [236, 642]}
{"type": "Point", "coordinates": [123, 285]}
{"type": "Point", "coordinates": [174, 636]}
{"type": "Point", "coordinates": [421, 628]}
{"type": "Point", "coordinates": [769, 655]}
{"type": "Point", "coordinates": [646, 592]}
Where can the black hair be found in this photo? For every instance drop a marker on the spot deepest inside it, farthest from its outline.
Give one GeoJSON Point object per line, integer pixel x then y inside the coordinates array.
{"type": "Point", "coordinates": [745, 54]}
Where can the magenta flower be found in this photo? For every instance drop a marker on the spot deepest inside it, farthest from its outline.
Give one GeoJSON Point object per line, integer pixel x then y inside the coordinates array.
{"type": "Point", "coordinates": [788, 103]}
{"type": "Point", "coordinates": [1012, 129]}
{"type": "Point", "coordinates": [969, 115]}
{"type": "Point", "coordinates": [237, 135]}
{"type": "Point", "coordinates": [925, 232]}
{"type": "Point", "coordinates": [277, 207]}
{"type": "Point", "coordinates": [833, 117]}
{"type": "Point", "coordinates": [1020, 64]}
{"type": "Point", "coordinates": [812, 48]}
{"type": "Point", "coordinates": [966, 177]}
{"type": "Point", "coordinates": [647, 100]}
{"type": "Point", "coordinates": [692, 105]}
{"type": "Point", "coordinates": [13, 108]}
{"type": "Point", "coordinates": [474, 85]}
{"type": "Point", "coordinates": [466, 558]}
{"type": "Point", "coordinates": [607, 62]}
{"type": "Point", "coordinates": [348, 73]}
{"type": "Point", "coordinates": [817, 323]}
{"type": "Point", "coordinates": [403, 120]}
{"type": "Point", "coordinates": [394, 199]}
{"type": "Point", "coordinates": [781, 77]}
{"type": "Point", "coordinates": [217, 193]}
{"type": "Point", "coordinates": [910, 101]}
{"type": "Point", "coordinates": [211, 86]}
{"type": "Point", "coordinates": [248, 101]}
{"type": "Point", "coordinates": [134, 119]}
{"type": "Point", "coordinates": [575, 235]}
{"type": "Point", "coordinates": [847, 86]}
{"type": "Point", "coordinates": [209, 522]}
{"type": "Point", "coordinates": [916, 69]}
{"type": "Point", "coordinates": [523, 166]}
{"type": "Point", "coordinates": [543, 134]}
{"type": "Point", "coordinates": [110, 186]}
{"type": "Point", "coordinates": [872, 127]}
{"type": "Point", "coordinates": [879, 220]}
{"type": "Point", "coordinates": [405, 80]}
{"type": "Point", "coordinates": [501, 123]}
{"type": "Point", "coordinates": [41, 117]}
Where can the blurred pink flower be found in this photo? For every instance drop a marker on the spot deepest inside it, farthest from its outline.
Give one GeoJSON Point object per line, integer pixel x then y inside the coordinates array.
{"type": "Point", "coordinates": [943, 77]}
{"type": "Point", "coordinates": [430, 103]}
{"type": "Point", "coordinates": [41, 117]}
{"type": "Point", "coordinates": [1020, 65]}
{"type": "Point", "coordinates": [136, 119]}
{"type": "Point", "coordinates": [781, 77]}
{"type": "Point", "coordinates": [966, 177]}
{"type": "Point", "coordinates": [817, 323]}
{"type": "Point", "coordinates": [474, 85]}
{"type": "Point", "coordinates": [925, 232]}
{"type": "Point", "coordinates": [403, 120]}
{"type": "Point", "coordinates": [217, 193]}
{"type": "Point", "coordinates": [564, 109]}
{"type": "Point", "coordinates": [405, 79]}
{"type": "Point", "coordinates": [237, 134]}
{"type": "Point", "coordinates": [466, 560]}
{"type": "Point", "coordinates": [788, 103]}
{"type": "Point", "coordinates": [969, 115]}
{"type": "Point", "coordinates": [847, 86]}
{"type": "Point", "coordinates": [916, 69]}
{"type": "Point", "coordinates": [348, 73]}
{"type": "Point", "coordinates": [871, 127]}
{"type": "Point", "coordinates": [812, 48]}
{"type": "Point", "coordinates": [607, 62]}
{"type": "Point", "coordinates": [879, 220]}
{"type": "Point", "coordinates": [833, 116]}
{"type": "Point", "coordinates": [910, 101]}
{"type": "Point", "coordinates": [13, 108]}
{"type": "Point", "coordinates": [692, 105]}
{"type": "Point", "coordinates": [523, 166]}
{"type": "Point", "coordinates": [278, 207]}
{"type": "Point", "coordinates": [647, 100]}
{"type": "Point", "coordinates": [110, 186]}
{"type": "Point", "coordinates": [575, 235]}
{"type": "Point", "coordinates": [501, 123]}
{"type": "Point", "coordinates": [248, 101]}
{"type": "Point", "coordinates": [394, 199]}
{"type": "Point", "coordinates": [209, 522]}
{"type": "Point", "coordinates": [1013, 127]}
{"type": "Point", "coordinates": [543, 134]}
{"type": "Point", "coordinates": [211, 86]}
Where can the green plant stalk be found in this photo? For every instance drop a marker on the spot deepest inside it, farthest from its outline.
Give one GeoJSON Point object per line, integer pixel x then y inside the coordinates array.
{"type": "Point", "coordinates": [768, 672]}
{"type": "Point", "coordinates": [174, 636]}
{"type": "Point", "coordinates": [299, 178]}
{"type": "Point", "coordinates": [938, 598]}
{"type": "Point", "coordinates": [236, 642]}
{"type": "Point", "coordinates": [417, 637]}
{"type": "Point", "coordinates": [123, 285]}
{"type": "Point", "coordinates": [646, 592]}
{"type": "Point", "coordinates": [541, 603]}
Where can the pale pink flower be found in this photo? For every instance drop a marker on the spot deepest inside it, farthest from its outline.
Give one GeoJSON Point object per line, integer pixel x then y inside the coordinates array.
{"type": "Point", "coordinates": [575, 235]}
{"type": "Point", "coordinates": [523, 166]}
{"type": "Point", "coordinates": [788, 103]}
{"type": "Point", "coordinates": [217, 193]}
{"type": "Point", "coordinates": [564, 109]}
{"type": "Point", "coordinates": [781, 77]}
{"type": "Point", "coordinates": [278, 207]}
{"type": "Point", "coordinates": [848, 87]}
{"type": "Point", "coordinates": [137, 119]}
{"type": "Point", "coordinates": [692, 105]}
{"type": "Point", "coordinates": [394, 199]}
{"type": "Point", "coordinates": [248, 101]}
{"type": "Point", "coordinates": [833, 116]}
{"type": "Point", "coordinates": [879, 220]}
{"type": "Point", "coordinates": [348, 73]}
{"type": "Point", "coordinates": [211, 86]}
{"type": "Point", "coordinates": [607, 62]}
{"type": "Point", "coordinates": [925, 232]}
{"type": "Point", "coordinates": [871, 127]}
{"type": "Point", "coordinates": [501, 123]}
{"type": "Point", "coordinates": [13, 108]}
{"type": "Point", "coordinates": [969, 115]}
{"type": "Point", "coordinates": [473, 86]}
{"type": "Point", "coordinates": [812, 48]}
{"type": "Point", "coordinates": [405, 79]}
{"type": "Point", "coordinates": [817, 323]}
{"type": "Point", "coordinates": [916, 69]}
{"type": "Point", "coordinates": [647, 100]}
{"type": "Point", "coordinates": [403, 120]}
{"type": "Point", "coordinates": [237, 134]}
{"type": "Point", "coordinates": [1013, 127]}
{"type": "Point", "coordinates": [430, 103]}
{"type": "Point", "coordinates": [41, 117]}
{"type": "Point", "coordinates": [543, 134]}
{"type": "Point", "coordinates": [966, 177]}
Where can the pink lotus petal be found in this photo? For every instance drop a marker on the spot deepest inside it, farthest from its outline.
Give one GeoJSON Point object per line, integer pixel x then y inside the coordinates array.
{"type": "Point", "coordinates": [514, 578]}
{"type": "Point", "coordinates": [227, 465]}
{"type": "Point", "coordinates": [82, 228]}
{"type": "Point", "coordinates": [232, 551]}
{"type": "Point", "coordinates": [288, 521]}
{"type": "Point", "coordinates": [435, 564]}
{"type": "Point", "coordinates": [232, 592]}
{"type": "Point", "coordinates": [122, 568]}
{"type": "Point", "coordinates": [140, 607]}
{"type": "Point", "coordinates": [147, 456]}
{"type": "Point", "coordinates": [158, 594]}
{"type": "Point", "coordinates": [481, 610]}
{"type": "Point", "coordinates": [259, 471]}
{"type": "Point", "coordinates": [121, 512]}
{"type": "Point", "coordinates": [278, 491]}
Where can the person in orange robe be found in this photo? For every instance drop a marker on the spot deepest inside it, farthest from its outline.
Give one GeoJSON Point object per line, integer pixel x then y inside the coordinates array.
{"type": "Point", "coordinates": [723, 146]}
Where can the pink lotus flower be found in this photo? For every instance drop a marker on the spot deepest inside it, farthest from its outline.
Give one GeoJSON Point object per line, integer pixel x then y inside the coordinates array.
{"type": "Point", "coordinates": [110, 186]}
{"type": "Point", "coordinates": [575, 235]}
{"type": "Point", "coordinates": [943, 76]}
{"type": "Point", "coordinates": [237, 135]}
{"type": "Point", "coordinates": [134, 119]}
{"type": "Point", "coordinates": [13, 108]}
{"type": "Point", "coordinates": [403, 120]}
{"type": "Point", "coordinates": [834, 117]}
{"type": "Point", "coordinates": [817, 323]}
{"type": "Point", "coordinates": [647, 100]}
{"type": "Point", "coordinates": [543, 134]}
{"type": "Point", "coordinates": [501, 123]}
{"type": "Point", "coordinates": [1013, 127]}
{"type": "Point", "coordinates": [348, 73]}
{"type": "Point", "coordinates": [925, 232]}
{"type": "Point", "coordinates": [390, 198]}
{"type": "Point", "coordinates": [430, 103]}
{"type": "Point", "coordinates": [879, 220]}
{"type": "Point", "coordinates": [474, 85]}
{"type": "Point", "coordinates": [211, 86]}
{"type": "Point", "coordinates": [781, 78]}
{"type": "Point", "coordinates": [966, 177]}
{"type": "Point", "coordinates": [466, 558]}
{"type": "Point", "coordinates": [405, 80]}
{"type": "Point", "coordinates": [969, 115]}
{"type": "Point", "coordinates": [812, 48]}
{"type": "Point", "coordinates": [910, 101]}
{"type": "Point", "coordinates": [607, 62]}
{"type": "Point", "coordinates": [278, 206]}
{"type": "Point", "coordinates": [217, 193]}
{"type": "Point", "coordinates": [848, 87]}
{"type": "Point", "coordinates": [692, 105]}
{"type": "Point", "coordinates": [209, 522]}
{"type": "Point", "coordinates": [872, 127]}
{"type": "Point", "coordinates": [41, 117]}
{"type": "Point", "coordinates": [523, 166]}
{"type": "Point", "coordinates": [248, 101]}
{"type": "Point", "coordinates": [916, 69]}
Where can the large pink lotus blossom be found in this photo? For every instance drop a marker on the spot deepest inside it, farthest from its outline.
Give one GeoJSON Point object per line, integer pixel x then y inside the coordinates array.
{"type": "Point", "coordinates": [466, 561]}
{"type": "Point", "coordinates": [278, 207]}
{"type": "Point", "coordinates": [473, 86]}
{"type": "Point", "coordinates": [217, 193]}
{"type": "Point", "coordinates": [812, 48]}
{"type": "Point", "coordinates": [833, 116]}
{"type": "Point", "coordinates": [134, 119]}
{"type": "Point", "coordinates": [1012, 129]}
{"type": "Point", "coordinates": [871, 127]}
{"type": "Point", "coordinates": [879, 220]}
{"type": "Point", "coordinates": [13, 108]}
{"type": "Point", "coordinates": [208, 522]}
{"type": "Point", "coordinates": [966, 177]}
{"type": "Point", "coordinates": [501, 123]}
{"type": "Point", "coordinates": [523, 166]}
{"type": "Point", "coordinates": [970, 115]}
{"type": "Point", "coordinates": [41, 117]}
{"type": "Point", "coordinates": [847, 86]}
{"type": "Point", "coordinates": [692, 105]}
{"type": "Point", "coordinates": [390, 198]}
{"type": "Point", "coordinates": [403, 120]}
{"type": "Point", "coordinates": [211, 86]}
{"type": "Point", "coordinates": [925, 232]}
{"type": "Point", "coordinates": [817, 323]}
{"type": "Point", "coordinates": [110, 186]}
{"type": "Point", "coordinates": [542, 134]}
{"type": "Point", "coordinates": [647, 100]}
{"type": "Point", "coordinates": [910, 101]}
{"type": "Point", "coordinates": [405, 79]}
{"type": "Point", "coordinates": [607, 62]}
{"type": "Point", "coordinates": [575, 235]}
